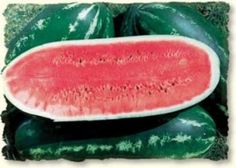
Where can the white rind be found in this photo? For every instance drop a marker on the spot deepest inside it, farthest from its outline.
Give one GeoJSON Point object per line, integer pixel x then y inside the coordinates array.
{"type": "Point", "coordinates": [215, 75]}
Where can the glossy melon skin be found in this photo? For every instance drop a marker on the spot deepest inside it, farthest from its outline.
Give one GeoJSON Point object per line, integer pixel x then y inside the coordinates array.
{"type": "Point", "coordinates": [112, 78]}
{"type": "Point", "coordinates": [187, 134]}
{"type": "Point", "coordinates": [179, 19]}
{"type": "Point", "coordinates": [63, 22]}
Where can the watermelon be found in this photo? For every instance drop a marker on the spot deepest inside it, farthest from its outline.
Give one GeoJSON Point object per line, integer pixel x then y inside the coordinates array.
{"type": "Point", "coordinates": [187, 134]}
{"type": "Point", "coordinates": [179, 19]}
{"type": "Point", "coordinates": [63, 22]}
{"type": "Point", "coordinates": [111, 78]}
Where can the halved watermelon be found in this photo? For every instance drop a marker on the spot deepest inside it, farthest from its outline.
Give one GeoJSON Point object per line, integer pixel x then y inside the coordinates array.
{"type": "Point", "coordinates": [112, 78]}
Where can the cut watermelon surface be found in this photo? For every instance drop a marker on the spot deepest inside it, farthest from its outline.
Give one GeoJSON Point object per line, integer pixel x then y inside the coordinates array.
{"type": "Point", "coordinates": [112, 78]}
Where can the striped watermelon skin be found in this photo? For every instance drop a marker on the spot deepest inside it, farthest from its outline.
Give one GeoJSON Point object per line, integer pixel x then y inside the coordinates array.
{"type": "Point", "coordinates": [187, 134]}
{"type": "Point", "coordinates": [179, 19]}
{"type": "Point", "coordinates": [63, 22]}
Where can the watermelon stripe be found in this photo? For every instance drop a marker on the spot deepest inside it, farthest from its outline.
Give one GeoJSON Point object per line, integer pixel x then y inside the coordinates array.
{"type": "Point", "coordinates": [126, 147]}
{"type": "Point", "coordinates": [72, 5]}
{"type": "Point", "coordinates": [92, 26]}
{"type": "Point", "coordinates": [148, 16]}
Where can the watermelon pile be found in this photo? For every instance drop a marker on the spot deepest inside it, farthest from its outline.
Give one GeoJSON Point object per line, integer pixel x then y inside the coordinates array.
{"type": "Point", "coordinates": [109, 80]}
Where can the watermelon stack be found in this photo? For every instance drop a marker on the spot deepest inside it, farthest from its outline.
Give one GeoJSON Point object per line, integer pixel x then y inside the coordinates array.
{"type": "Point", "coordinates": [124, 126]}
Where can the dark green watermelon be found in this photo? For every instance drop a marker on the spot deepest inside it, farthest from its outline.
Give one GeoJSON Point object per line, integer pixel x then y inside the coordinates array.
{"type": "Point", "coordinates": [187, 134]}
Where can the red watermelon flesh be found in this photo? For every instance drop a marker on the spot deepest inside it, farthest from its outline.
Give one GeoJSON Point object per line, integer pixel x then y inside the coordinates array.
{"type": "Point", "coordinates": [112, 78]}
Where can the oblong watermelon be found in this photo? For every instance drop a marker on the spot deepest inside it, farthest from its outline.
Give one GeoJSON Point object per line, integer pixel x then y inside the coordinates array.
{"type": "Point", "coordinates": [112, 78]}
{"type": "Point", "coordinates": [63, 22]}
{"type": "Point", "coordinates": [187, 134]}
